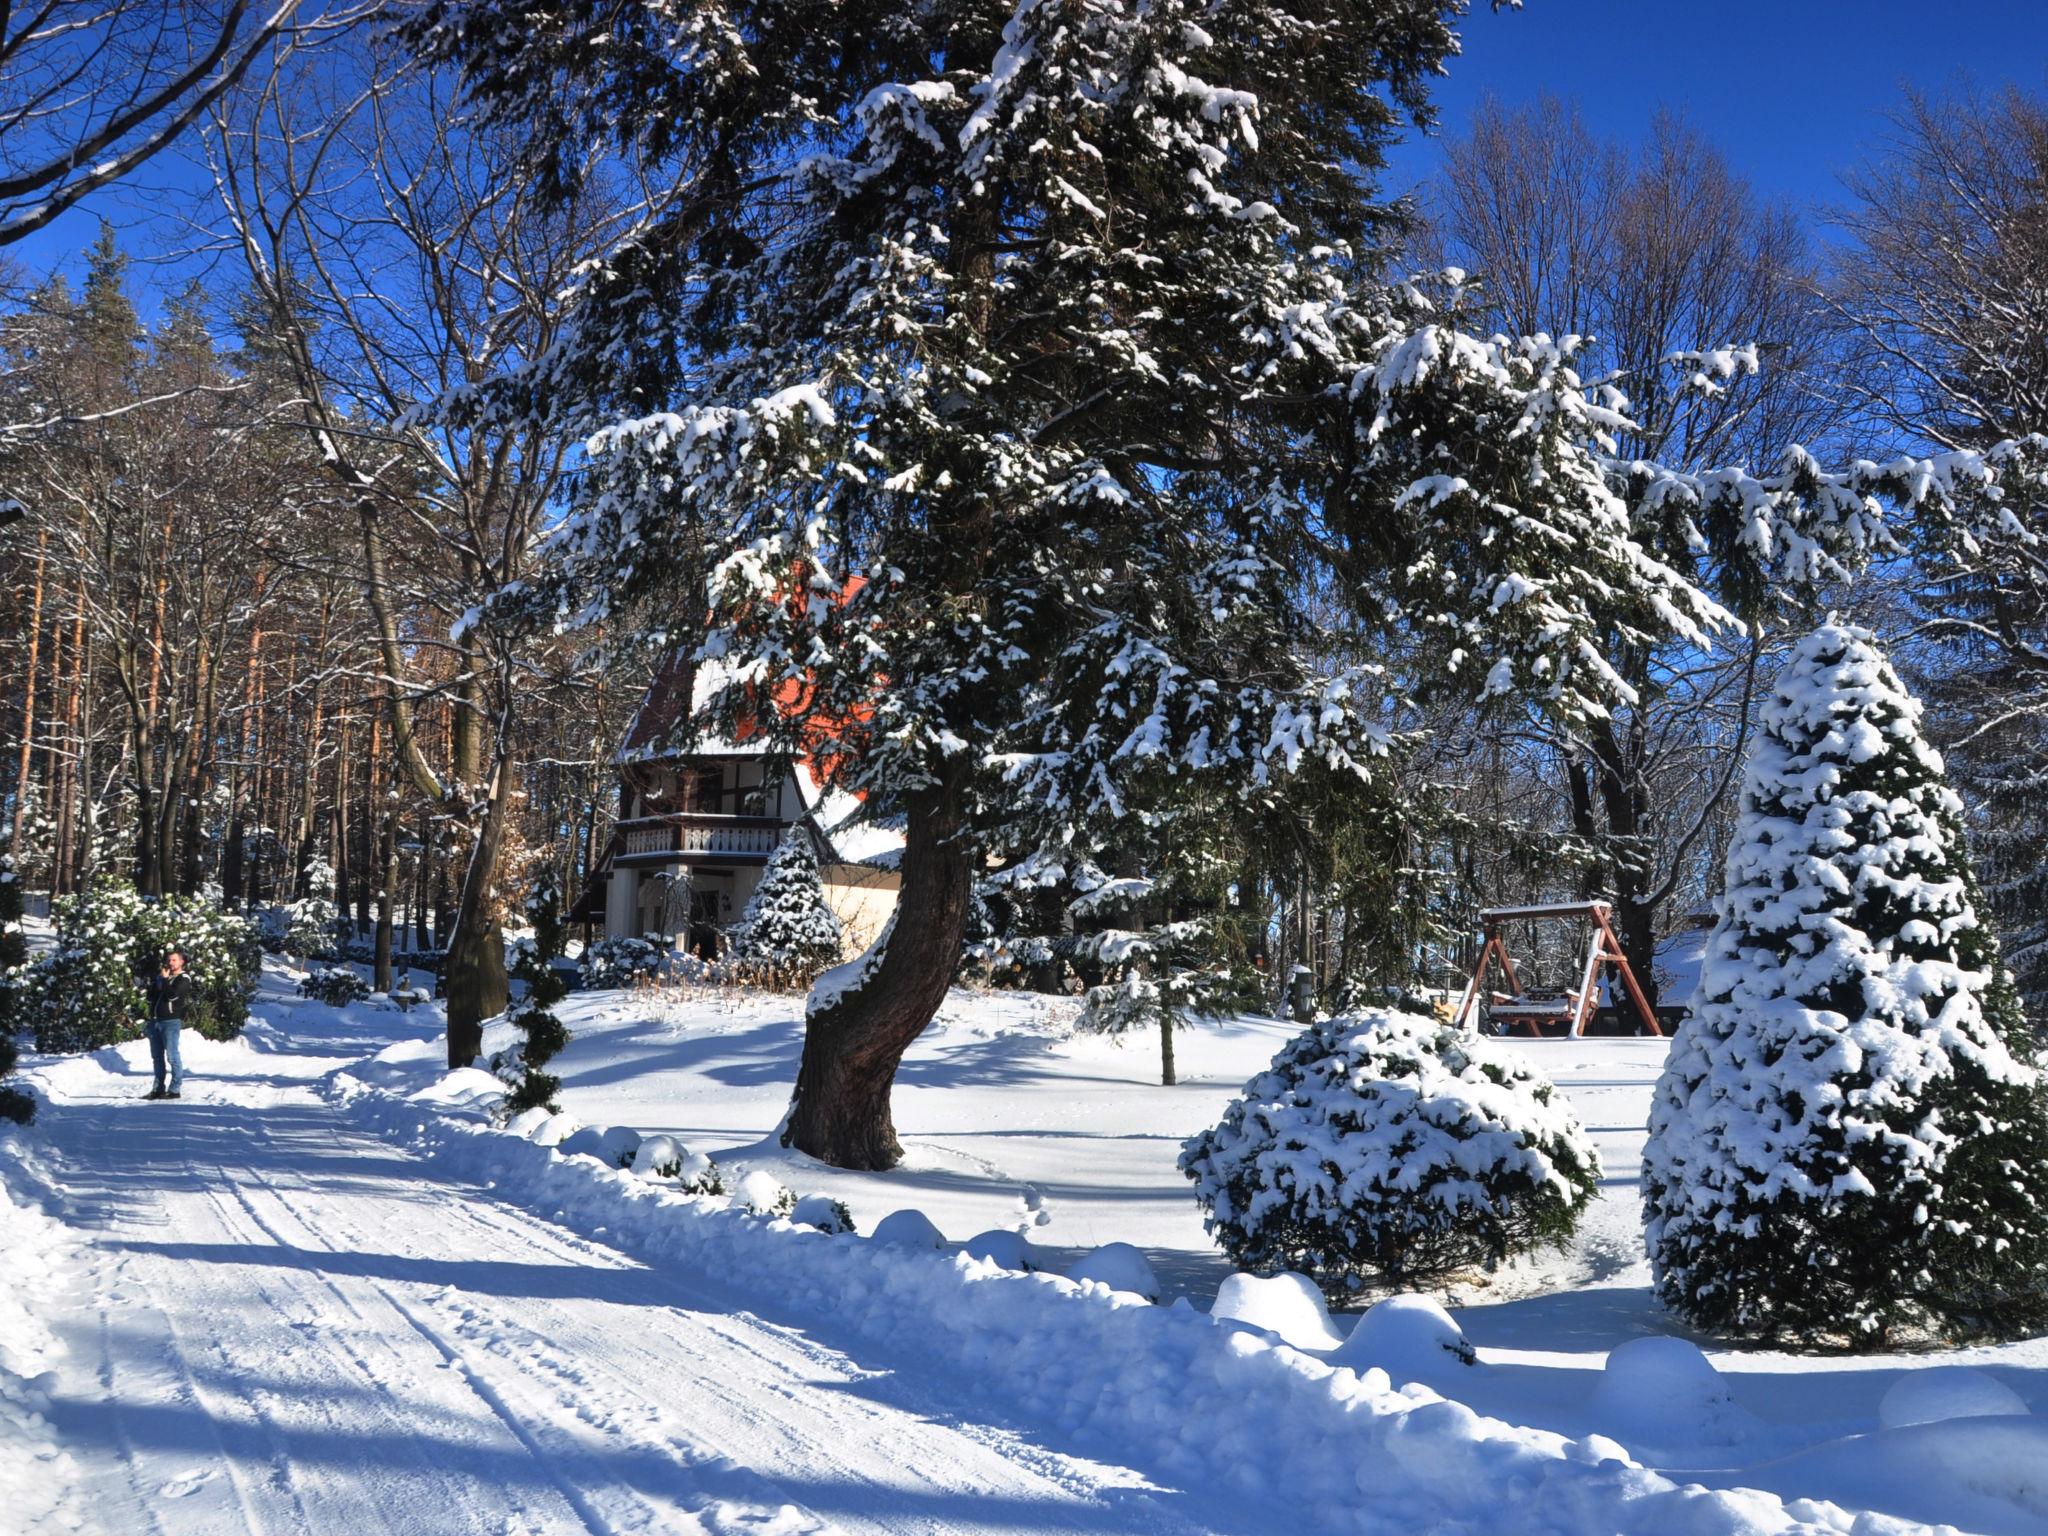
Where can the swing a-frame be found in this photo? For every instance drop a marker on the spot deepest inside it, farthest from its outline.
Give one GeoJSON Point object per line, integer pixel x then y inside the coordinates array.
{"type": "Point", "coordinates": [1551, 1014]}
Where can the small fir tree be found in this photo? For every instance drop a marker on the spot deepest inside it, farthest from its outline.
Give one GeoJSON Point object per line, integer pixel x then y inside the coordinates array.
{"type": "Point", "coordinates": [1846, 1140]}
{"type": "Point", "coordinates": [787, 925]}
{"type": "Point", "coordinates": [14, 1104]}
{"type": "Point", "coordinates": [533, 965]}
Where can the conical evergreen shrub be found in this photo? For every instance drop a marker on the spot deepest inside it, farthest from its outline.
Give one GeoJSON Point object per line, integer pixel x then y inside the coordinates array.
{"type": "Point", "coordinates": [528, 1085]}
{"type": "Point", "coordinates": [788, 926]}
{"type": "Point", "coordinates": [1849, 1141]}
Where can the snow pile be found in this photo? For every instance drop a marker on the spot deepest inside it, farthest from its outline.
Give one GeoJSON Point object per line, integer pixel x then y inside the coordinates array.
{"type": "Point", "coordinates": [1664, 1392]}
{"type": "Point", "coordinates": [1005, 1250]}
{"type": "Point", "coordinates": [1287, 1306]}
{"type": "Point", "coordinates": [1121, 1267]}
{"type": "Point", "coordinates": [38, 1478]}
{"type": "Point", "coordinates": [1943, 1392]}
{"type": "Point", "coordinates": [1386, 1146]}
{"type": "Point", "coordinates": [908, 1229]}
{"type": "Point", "coordinates": [1411, 1338]}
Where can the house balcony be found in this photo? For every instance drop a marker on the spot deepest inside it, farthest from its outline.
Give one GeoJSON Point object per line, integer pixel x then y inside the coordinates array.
{"type": "Point", "coordinates": [693, 838]}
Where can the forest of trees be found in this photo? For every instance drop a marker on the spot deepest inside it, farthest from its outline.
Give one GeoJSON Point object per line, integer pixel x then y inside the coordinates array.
{"type": "Point", "coordinates": [279, 602]}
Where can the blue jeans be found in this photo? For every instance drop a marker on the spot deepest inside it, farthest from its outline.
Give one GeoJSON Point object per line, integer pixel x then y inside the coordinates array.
{"type": "Point", "coordinates": [163, 1047]}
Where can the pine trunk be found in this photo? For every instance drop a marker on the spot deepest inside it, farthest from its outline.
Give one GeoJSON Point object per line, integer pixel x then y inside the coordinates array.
{"type": "Point", "coordinates": [852, 1046]}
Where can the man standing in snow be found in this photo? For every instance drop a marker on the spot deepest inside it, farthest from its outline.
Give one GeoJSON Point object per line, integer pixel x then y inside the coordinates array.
{"type": "Point", "coordinates": [170, 990]}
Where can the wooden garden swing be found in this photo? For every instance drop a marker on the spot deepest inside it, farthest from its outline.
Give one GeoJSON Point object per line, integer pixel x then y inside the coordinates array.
{"type": "Point", "coordinates": [1550, 1014]}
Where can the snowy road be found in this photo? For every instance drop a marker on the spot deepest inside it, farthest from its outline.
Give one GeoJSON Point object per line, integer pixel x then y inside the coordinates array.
{"type": "Point", "coordinates": [285, 1324]}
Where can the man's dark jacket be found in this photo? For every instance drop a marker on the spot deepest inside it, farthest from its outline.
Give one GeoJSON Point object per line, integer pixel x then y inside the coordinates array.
{"type": "Point", "coordinates": [168, 996]}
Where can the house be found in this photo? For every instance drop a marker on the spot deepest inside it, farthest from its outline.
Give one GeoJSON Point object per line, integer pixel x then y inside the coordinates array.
{"type": "Point", "coordinates": [695, 829]}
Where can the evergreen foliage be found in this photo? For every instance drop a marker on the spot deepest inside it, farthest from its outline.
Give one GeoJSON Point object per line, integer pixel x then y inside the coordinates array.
{"type": "Point", "coordinates": [1071, 365]}
{"type": "Point", "coordinates": [87, 992]}
{"type": "Point", "coordinates": [618, 963]}
{"type": "Point", "coordinates": [788, 927]}
{"type": "Point", "coordinates": [334, 985]}
{"type": "Point", "coordinates": [14, 1104]}
{"type": "Point", "coordinates": [1847, 1141]}
{"type": "Point", "coordinates": [533, 958]}
{"type": "Point", "coordinates": [1388, 1149]}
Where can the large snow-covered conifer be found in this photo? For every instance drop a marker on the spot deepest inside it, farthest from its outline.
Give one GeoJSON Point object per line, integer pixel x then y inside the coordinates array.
{"type": "Point", "coordinates": [1847, 1139]}
{"type": "Point", "coordinates": [1007, 377]}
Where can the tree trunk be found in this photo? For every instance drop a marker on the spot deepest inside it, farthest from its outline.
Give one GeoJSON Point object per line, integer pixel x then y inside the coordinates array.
{"type": "Point", "coordinates": [28, 699]}
{"type": "Point", "coordinates": [853, 1043]}
{"type": "Point", "coordinates": [477, 986]}
{"type": "Point", "coordinates": [387, 873]}
{"type": "Point", "coordinates": [1166, 1074]}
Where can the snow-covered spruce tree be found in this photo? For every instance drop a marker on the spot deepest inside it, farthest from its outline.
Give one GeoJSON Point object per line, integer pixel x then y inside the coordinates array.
{"type": "Point", "coordinates": [1388, 1149]}
{"type": "Point", "coordinates": [1000, 386]}
{"type": "Point", "coordinates": [533, 957]}
{"type": "Point", "coordinates": [788, 927]}
{"type": "Point", "coordinates": [1845, 1142]}
{"type": "Point", "coordinates": [14, 1104]}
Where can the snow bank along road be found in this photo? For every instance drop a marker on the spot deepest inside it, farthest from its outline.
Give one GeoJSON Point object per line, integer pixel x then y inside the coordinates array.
{"type": "Point", "coordinates": [280, 1323]}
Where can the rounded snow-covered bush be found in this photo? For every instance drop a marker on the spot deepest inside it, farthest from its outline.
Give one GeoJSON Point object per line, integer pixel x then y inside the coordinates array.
{"type": "Point", "coordinates": [824, 1213]}
{"type": "Point", "coordinates": [763, 1194]}
{"type": "Point", "coordinates": [1843, 1143]}
{"type": "Point", "coordinates": [1385, 1148]}
{"type": "Point", "coordinates": [334, 985]}
{"type": "Point", "coordinates": [619, 963]}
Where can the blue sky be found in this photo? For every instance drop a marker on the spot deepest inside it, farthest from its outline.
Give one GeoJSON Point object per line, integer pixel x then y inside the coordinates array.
{"type": "Point", "coordinates": [1792, 91]}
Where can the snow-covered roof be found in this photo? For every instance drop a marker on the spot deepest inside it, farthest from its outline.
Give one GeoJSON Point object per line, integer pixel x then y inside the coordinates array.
{"type": "Point", "coordinates": [837, 816]}
{"type": "Point", "coordinates": [663, 712]}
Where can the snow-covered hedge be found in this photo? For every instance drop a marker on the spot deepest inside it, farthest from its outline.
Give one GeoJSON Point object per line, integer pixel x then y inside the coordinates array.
{"type": "Point", "coordinates": [1843, 1143]}
{"type": "Point", "coordinates": [335, 985]}
{"type": "Point", "coordinates": [619, 963]}
{"type": "Point", "coordinates": [85, 992]}
{"type": "Point", "coordinates": [1385, 1148]}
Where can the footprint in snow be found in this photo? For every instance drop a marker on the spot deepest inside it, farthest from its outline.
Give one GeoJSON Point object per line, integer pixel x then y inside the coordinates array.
{"type": "Point", "coordinates": [186, 1484]}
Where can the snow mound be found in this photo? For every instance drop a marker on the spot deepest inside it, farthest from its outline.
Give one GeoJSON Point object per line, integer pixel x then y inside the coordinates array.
{"type": "Point", "coordinates": [1943, 1392]}
{"type": "Point", "coordinates": [1411, 1338]}
{"type": "Point", "coordinates": [614, 1146]}
{"type": "Point", "coordinates": [466, 1088]}
{"type": "Point", "coordinates": [822, 1212]}
{"type": "Point", "coordinates": [658, 1157]}
{"type": "Point", "coordinates": [554, 1130]}
{"type": "Point", "coordinates": [909, 1228]}
{"type": "Point", "coordinates": [1005, 1250]}
{"type": "Point", "coordinates": [527, 1121]}
{"type": "Point", "coordinates": [1664, 1392]}
{"type": "Point", "coordinates": [764, 1194]}
{"type": "Point", "coordinates": [1120, 1267]}
{"type": "Point", "coordinates": [1289, 1305]}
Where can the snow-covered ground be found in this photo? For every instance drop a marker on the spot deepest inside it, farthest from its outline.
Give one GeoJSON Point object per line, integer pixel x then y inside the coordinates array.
{"type": "Point", "coordinates": [320, 1294]}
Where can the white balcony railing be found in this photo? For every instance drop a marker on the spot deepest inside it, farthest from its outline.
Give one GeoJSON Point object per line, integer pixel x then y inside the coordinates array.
{"type": "Point", "coordinates": [687, 836]}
